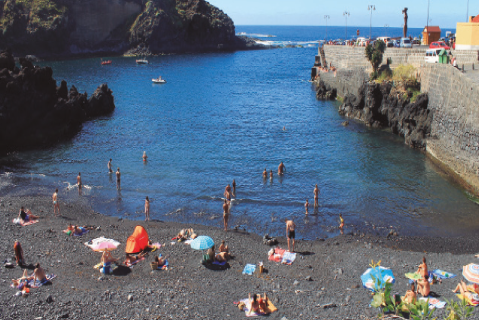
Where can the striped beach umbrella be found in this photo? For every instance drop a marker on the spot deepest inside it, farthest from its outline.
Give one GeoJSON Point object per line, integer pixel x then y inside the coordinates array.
{"type": "Point", "coordinates": [202, 243]}
{"type": "Point", "coordinates": [470, 272]}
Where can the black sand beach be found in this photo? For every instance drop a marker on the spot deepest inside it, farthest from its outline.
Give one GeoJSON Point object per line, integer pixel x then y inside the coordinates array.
{"type": "Point", "coordinates": [325, 272]}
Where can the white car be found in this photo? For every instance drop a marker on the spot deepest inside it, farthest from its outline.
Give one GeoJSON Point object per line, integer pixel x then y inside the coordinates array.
{"type": "Point", "coordinates": [431, 56]}
{"type": "Point", "coordinates": [405, 43]}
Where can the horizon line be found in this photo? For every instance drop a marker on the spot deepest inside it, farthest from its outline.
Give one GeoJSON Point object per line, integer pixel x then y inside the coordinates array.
{"type": "Point", "coordinates": [316, 25]}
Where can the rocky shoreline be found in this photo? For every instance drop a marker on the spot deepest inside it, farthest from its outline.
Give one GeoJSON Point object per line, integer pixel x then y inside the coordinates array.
{"type": "Point", "coordinates": [322, 283]}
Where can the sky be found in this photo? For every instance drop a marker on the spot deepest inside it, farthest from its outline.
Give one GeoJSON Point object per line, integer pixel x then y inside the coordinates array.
{"type": "Point", "coordinates": [444, 13]}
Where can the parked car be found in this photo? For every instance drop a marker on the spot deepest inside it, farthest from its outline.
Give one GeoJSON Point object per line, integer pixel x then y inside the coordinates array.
{"type": "Point", "coordinates": [439, 44]}
{"type": "Point", "coordinates": [397, 43]}
{"type": "Point", "coordinates": [431, 55]}
{"type": "Point", "coordinates": [415, 41]}
{"type": "Point", "coordinates": [390, 43]}
{"type": "Point", "coordinates": [405, 43]}
{"type": "Point", "coordinates": [361, 41]}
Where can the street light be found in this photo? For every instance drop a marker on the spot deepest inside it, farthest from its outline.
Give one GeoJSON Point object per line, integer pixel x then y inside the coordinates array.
{"type": "Point", "coordinates": [346, 14]}
{"type": "Point", "coordinates": [467, 10]}
{"type": "Point", "coordinates": [386, 26]}
{"type": "Point", "coordinates": [371, 7]}
{"type": "Point", "coordinates": [326, 17]}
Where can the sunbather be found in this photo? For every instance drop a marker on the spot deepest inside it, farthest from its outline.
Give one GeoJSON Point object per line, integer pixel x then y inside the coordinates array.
{"type": "Point", "coordinates": [130, 258]}
{"type": "Point", "coordinates": [423, 286]}
{"type": "Point", "coordinates": [410, 296]}
{"type": "Point", "coordinates": [26, 215]}
{"type": "Point", "coordinates": [222, 257]}
{"type": "Point", "coordinates": [223, 247]}
{"type": "Point", "coordinates": [467, 291]}
{"type": "Point", "coordinates": [211, 254]}
{"type": "Point", "coordinates": [39, 274]}
{"type": "Point", "coordinates": [22, 282]}
{"type": "Point", "coordinates": [422, 269]}
{"type": "Point", "coordinates": [257, 303]}
{"type": "Point", "coordinates": [17, 248]}
{"type": "Point", "coordinates": [182, 235]}
{"type": "Point", "coordinates": [160, 261]}
{"type": "Point", "coordinates": [192, 233]}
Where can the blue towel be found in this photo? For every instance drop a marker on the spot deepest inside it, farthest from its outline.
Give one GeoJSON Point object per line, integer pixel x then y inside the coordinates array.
{"type": "Point", "coordinates": [82, 233]}
{"type": "Point", "coordinates": [165, 264]}
{"type": "Point", "coordinates": [443, 274]}
{"type": "Point", "coordinates": [249, 269]}
{"type": "Point", "coordinates": [220, 263]}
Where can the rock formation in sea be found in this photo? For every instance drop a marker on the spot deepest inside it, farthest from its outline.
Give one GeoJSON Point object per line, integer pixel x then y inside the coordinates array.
{"type": "Point", "coordinates": [51, 28]}
{"type": "Point", "coordinates": [381, 105]}
{"type": "Point", "coordinates": [34, 112]}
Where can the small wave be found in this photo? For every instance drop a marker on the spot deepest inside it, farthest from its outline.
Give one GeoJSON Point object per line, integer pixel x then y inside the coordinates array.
{"type": "Point", "coordinates": [257, 35]}
{"type": "Point", "coordinates": [287, 44]}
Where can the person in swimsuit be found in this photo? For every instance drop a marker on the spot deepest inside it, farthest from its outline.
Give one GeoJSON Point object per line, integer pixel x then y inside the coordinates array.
{"type": "Point", "coordinates": [234, 187]}
{"type": "Point", "coordinates": [290, 226]}
{"type": "Point", "coordinates": [39, 274]}
{"type": "Point", "coordinates": [342, 223]}
{"type": "Point", "coordinates": [17, 248]}
{"type": "Point", "coordinates": [131, 258]}
{"type": "Point", "coordinates": [227, 192]}
{"type": "Point", "coordinates": [211, 254]}
{"type": "Point", "coordinates": [56, 206]}
{"type": "Point", "coordinates": [144, 156]}
{"type": "Point", "coordinates": [257, 303]}
{"type": "Point", "coordinates": [79, 181]}
{"type": "Point", "coordinates": [223, 247]}
{"type": "Point", "coordinates": [147, 209]}
{"type": "Point", "coordinates": [118, 178]}
{"type": "Point", "coordinates": [281, 168]}
{"type": "Point", "coordinates": [306, 206]}
{"type": "Point", "coordinates": [222, 256]}
{"type": "Point", "coordinates": [422, 269]}
{"type": "Point", "coordinates": [109, 166]}
{"type": "Point", "coordinates": [315, 196]}
{"type": "Point", "coordinates": [271, 174]}
{"type": "Point", "coordinates": [264, 174]}
{"type": "Point", "coordinates": [423, 286]}
{"type": "Point", "coordinates": [465, 290]}
{"type": "Point", "coordinates": [226, 209]}
{"type": "Point", "coordinates": [26, 215]}
{"type": "Point", "coordinates": [410, 296]}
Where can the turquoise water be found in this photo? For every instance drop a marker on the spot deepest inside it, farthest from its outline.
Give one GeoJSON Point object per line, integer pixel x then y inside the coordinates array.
{"type": "Point", "coordinates": [219, 117]}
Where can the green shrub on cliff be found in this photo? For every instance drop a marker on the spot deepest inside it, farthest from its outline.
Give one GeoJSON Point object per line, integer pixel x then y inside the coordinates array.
{"type": "Point", "coordinates": [404, 73]}
{"type": "Point", "coordinates": [374, 54]}
{"type": "Point", "coordinates": [40, 13]}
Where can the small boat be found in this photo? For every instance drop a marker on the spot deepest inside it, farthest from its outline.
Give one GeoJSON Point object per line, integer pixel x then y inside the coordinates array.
{"type": "Point", "coordinates": [142, 61]}
{"type": "Point", "coordinates": [159, 80]}
{"type": "Point", "coordinates": [106, 62]}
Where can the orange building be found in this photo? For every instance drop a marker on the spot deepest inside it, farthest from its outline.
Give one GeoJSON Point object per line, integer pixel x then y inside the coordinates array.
{"type": "Point", "coordinates": [431, 34]}
{"type": "Point", "coordinates": [467, 35]}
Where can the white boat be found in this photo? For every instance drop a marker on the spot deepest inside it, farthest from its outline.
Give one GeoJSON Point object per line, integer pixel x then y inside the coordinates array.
{"type": "Point", "coordinates": [159, 80]}
{"type": "Point", "coordinates": [142, 61]}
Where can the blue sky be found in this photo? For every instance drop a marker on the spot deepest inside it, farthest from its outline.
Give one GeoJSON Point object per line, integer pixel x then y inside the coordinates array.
{"type": "Point", "coordinates": [311, 12]}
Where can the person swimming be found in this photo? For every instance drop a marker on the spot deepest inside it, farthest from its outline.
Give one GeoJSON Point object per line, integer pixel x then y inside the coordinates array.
{"type": "Point", "coordinates": [144, 157]}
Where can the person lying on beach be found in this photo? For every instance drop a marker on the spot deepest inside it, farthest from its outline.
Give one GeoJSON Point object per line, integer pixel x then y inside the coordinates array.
{"type": "Point", "coordinates": [192, 233]}
{"type": "Point", "coordinates": [423, 286]}
{"type": "Point", "coordinates": [22, 282]}
{"type": "Point", "coordinates": [410, 296]}
{"type": "Point", "coordinates": [182, 235]}
{"type": "Point", "coordinates": [257, 303]}
{"type": "Point", "coordinates": [467, 291]}
{"type": "Point", "coordinates": [17, 248]}
{"type": "Point", "coordinates": [223, 247]}
{"type": "Point", "coordinates": [26, 215]}
{"type": "Point", "coordinates": [222, 257]}
{"type": "Point", "coordinates": [422, 269]}
{"type": "Point", "coordinates": [131, 258]}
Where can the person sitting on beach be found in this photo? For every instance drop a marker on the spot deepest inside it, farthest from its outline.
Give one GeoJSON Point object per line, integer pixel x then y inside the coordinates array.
{"type": "Point", "coordinates": [211, 254]}
{"type": "Point", "coordinates": [257, 304]}
{"type": "Point", "coordinates": [222, 257]}
{"type": "Point", "coordinates": [17, 248]}
{"type": "Point", "coordinates": [160, 261]}
{"type": "Point", "coordinates": [26, 215]}
{"type": "Point", "coordinates": [423, 286]}
{"type": "Point", "coordinates": [466, 291]}
{"type": "Point", "coordinates": [131, 258]}
{"type": "Point", "coordinates": [39, 274]}
{"type": "Point", "coordinates": [422, 269]}
{"type": "Point", "coordinates": [410, 296]}
{"type": "Point", "coordinates": [107, 260]}
{"type": "Point", "coordinates": [223, 247]}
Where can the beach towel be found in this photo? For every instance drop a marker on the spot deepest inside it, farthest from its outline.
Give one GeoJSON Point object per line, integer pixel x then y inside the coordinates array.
{"type": "Point", "coordinates": [472, 299]}
{"type": "Point", "coordinates": [155, 246]}
{"type": "Point", "coordinates": [221, 263]}
{"type": "Point", "coordinates": [188, 241]}
{"type": "Point", "coordinates": [70, 232]}
{"type": "Point", "coordinates": [130, 265]}
{"type": "Point", "coordinates": [433, 302]}
{"type": "Point", "coordinates": [413, 276]}
{"type": "Point", "coordinates": [249, 269]}
{"type": "Point", "coordinates": [23, 223]}
{"type": "Point", "coordinates": [289, 257]}
{"type": "Point", "coordinates": [269, 309]}
{"type": "Point", "coordinates": [277, 256]}
{"type": "Point", "coordinates": [443, 274]}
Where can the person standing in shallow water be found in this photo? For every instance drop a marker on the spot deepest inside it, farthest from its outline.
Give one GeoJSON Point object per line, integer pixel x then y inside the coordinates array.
{"type": "Point", "coordinates": [79, 183]}
{"type": "Point", "coordinates": [234, 187]}
{"type": "Point", "coordinates": [56, 206]}
{"type": "Point", "coordinates": [306, 206]}
{"type": "Point", "coordinates": [290, 230]}
{"type": "Point", "coordinates": [118, 178]}
{"type": "Point", "coordinates": [264, 174]}
{"type": "Point", "coordinates": [315, 196]}
{"type": "Point", "coordinates": [147, 209]}
{"type": "Point", "coordinates": [226, 209]}
{"type": "Point", "coordinates": [109, 166]}
{"type": "Point", "coordinates": [281, 168]}
{"type": "Point", "coordinates": [271, 175]}
{"type": "Point", "coordinates": [144, 156]}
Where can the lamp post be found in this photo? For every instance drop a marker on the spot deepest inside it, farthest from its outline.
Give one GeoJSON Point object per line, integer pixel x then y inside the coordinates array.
{"type": "Point", "coordinates": [467, 10]}
{"type": "Point", "coordinates": [346, 14]}
{"type": "Point", "coordinates": [386, 26]}
{"type": "Point", "coordinates": [371, 8]}
{"type": "Point", "coordinates": [326, 17]}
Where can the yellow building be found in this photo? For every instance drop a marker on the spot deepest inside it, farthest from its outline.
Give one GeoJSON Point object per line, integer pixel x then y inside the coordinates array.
{"type": "Point", "coordinates": [467, 35]}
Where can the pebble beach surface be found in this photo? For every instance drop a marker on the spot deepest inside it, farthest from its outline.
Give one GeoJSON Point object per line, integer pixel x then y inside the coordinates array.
{"type": "Point", "coordinates": [323, 282]}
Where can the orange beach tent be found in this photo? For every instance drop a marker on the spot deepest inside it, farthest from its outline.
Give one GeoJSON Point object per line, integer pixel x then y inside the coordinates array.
{"type": "Point", "coordinates": [138, 241]}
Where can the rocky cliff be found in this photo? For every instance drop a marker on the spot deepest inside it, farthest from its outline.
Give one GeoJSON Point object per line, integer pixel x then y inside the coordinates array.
{"type": "Point", "coordinates": [381, 105]}
{"type": "Point", "coordinates": [35, 112]}
{"type": "Point", "coordinates": [49, 28]}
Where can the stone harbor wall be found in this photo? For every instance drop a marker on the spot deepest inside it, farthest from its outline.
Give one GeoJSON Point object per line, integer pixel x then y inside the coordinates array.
{"type": "Point", "coordinates": [453, 99]}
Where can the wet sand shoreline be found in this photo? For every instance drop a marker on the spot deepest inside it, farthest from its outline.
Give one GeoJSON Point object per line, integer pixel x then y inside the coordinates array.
{"type": "Point", "coordinates": [190, 291]}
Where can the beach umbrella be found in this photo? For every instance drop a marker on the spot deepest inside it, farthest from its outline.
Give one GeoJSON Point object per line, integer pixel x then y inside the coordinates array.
{"type": "Point", "coordinates": [202, 243]}
{"type": "Point", "coordinates": [102, 244]}
{"type": "Point", "coordinates": [470, 272]}
{"type": "Point", "coordinates": [372, 275]}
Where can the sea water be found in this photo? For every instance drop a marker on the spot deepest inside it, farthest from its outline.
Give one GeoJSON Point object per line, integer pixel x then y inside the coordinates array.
{"type": "Point", "coordinates": [220, 117]}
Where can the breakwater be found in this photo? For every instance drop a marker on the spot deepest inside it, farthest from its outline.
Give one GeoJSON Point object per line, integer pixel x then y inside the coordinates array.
{"type": "Point", "coordinates": [452, 141]}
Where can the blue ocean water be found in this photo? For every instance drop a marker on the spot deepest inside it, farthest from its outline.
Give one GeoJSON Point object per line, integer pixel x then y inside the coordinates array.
{"type": "Point", "coordinates": [220, 117]}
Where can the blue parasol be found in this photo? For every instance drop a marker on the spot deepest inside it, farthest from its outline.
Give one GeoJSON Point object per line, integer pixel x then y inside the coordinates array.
{"type": "Point", "coordinates": [202, 243]}
{"type": "Point", "coordinates": [377, 274]}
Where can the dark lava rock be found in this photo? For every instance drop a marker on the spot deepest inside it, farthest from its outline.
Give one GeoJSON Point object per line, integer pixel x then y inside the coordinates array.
{"type": "Point", "coordinates": [34, 112]}
{"type": "Point", "coordinates": [49, 299]}
{"type": "Point", "coordinates": [325, 92]}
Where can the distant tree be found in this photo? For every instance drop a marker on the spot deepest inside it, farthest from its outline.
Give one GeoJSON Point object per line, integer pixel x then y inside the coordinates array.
{"type": "Point", "coordinates": [374, 54]}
